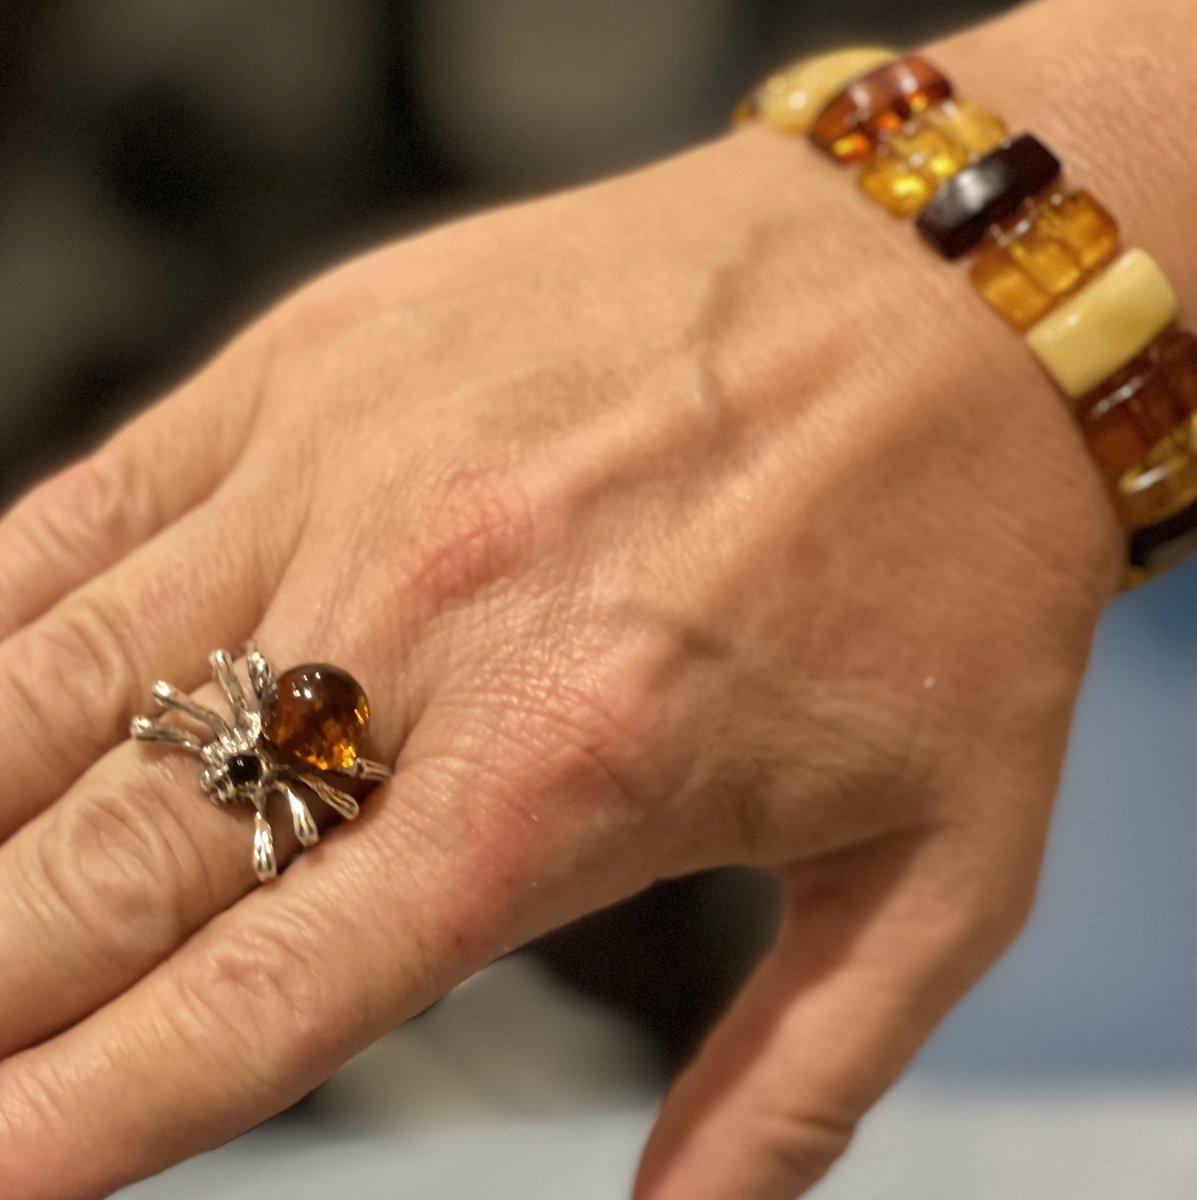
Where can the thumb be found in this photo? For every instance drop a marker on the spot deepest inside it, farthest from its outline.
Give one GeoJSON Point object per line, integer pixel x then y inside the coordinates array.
{"type": "Point", "coordinates": [876, 946]}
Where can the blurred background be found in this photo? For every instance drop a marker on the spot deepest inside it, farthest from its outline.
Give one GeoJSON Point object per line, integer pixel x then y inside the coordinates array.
{"type": "Point", "coordinates": [168, 168]}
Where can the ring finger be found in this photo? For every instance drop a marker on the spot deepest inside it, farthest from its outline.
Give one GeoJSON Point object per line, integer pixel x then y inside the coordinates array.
{"type": "Point", "coordinates": [112, 878]}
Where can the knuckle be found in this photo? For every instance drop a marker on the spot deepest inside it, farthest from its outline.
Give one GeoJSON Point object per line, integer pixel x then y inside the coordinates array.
{"type": "Point", "coordinates": [803, 1146]}
{"type": "Point", "coordinates": [125, 870]}
{"type": "Point", "coordinates": [992, 908]}
{"type": "Point", "coordinates": [581, 721]}
{"type": "Point", "coordinates": [601, 732]}
{"type": "Point", "coordinates": [268, 999]}
{"type": "Point", "coordinates": [481, 526]}
{"type": "Point", "coordinates": [467, 527]}
{"type": "Point", "coordinates": [1003, 920]}
{"type": "Point", "coordinates": [475, 525]}
{"type": "Point", "coordinates": [72, 671]}
{"type": "Point", "coordinates": [95, 503]}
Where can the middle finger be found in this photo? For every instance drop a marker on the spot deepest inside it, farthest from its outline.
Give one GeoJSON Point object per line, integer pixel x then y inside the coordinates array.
{"type": "Point", "coordinates": [70, 681]}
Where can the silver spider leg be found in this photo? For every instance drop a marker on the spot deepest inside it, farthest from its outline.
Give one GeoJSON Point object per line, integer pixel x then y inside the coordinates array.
{"type": "Point", "coordinates": [265, 862]}
{"type": "Point", "coordinates": [261, 675]}
{"type": "Point", "coordinates": [345, 805]}
{"type": "Point", "coordinates": [169, 696]}
{"type": "Point", "coordinates": [301, 815]}
{"type": "Point", "coordinates": [147, 730]}
{"type": "Point", "coordinates": [222, 671]}
{"type": "Point", "coordinates": [365, 769]}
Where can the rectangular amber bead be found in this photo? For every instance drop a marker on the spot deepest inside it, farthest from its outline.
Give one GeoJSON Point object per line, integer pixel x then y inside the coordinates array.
{"type": "Point", "coordinates": [910, 166]}
{"type": "Point", "coordinates": [1106, 324]}
{"type": "Point", "coordinates": [908, 170]}
{"type": "Point", "coordinates": [1079, 222]}
{"type": "Point", "coordinates": [791, 99]}
{"type": "Point", "coordinates": [1040, 259]}
{"type": "Point", "coordinates": [970, 125]}
{"type": "Point", "coordinates": [1047, 260]}
{"type": "Point", "coordinates": [1163, 484]}
{"type": "Point", "coordinates": [850, 126]}
{"type": "Point", "coordinates": [1141, 426]}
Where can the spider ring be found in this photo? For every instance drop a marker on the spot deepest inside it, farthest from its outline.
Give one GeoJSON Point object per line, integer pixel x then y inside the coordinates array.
{"type": "Point", "coordinates": [302, 731]}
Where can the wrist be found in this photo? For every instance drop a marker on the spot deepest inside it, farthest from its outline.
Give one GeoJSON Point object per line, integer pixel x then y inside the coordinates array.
{"type": "Point", "coordinates": [1029, 55]}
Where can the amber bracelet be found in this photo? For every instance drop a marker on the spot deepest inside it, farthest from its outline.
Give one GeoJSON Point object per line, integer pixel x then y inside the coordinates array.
{"type": "Point", "coordinates": [1100, 319]}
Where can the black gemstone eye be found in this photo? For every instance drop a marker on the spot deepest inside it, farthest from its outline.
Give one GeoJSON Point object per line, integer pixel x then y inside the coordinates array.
{"type": "Point", "coordinates": [245, 768]}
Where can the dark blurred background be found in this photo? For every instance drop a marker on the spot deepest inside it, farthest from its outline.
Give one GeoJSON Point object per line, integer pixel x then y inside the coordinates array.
{"type": "Point", "coordinates": [168, 168]}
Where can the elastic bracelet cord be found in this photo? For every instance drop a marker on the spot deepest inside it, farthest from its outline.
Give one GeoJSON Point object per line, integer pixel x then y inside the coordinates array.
{"type": "Point", "coordinates": [1101, 319]}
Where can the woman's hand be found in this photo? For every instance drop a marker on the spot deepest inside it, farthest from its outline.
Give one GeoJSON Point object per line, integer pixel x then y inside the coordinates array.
{"type": "Point", "coordinates": [693, 518]}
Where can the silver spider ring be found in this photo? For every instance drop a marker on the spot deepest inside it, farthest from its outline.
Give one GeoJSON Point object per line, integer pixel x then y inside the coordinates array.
{"type": "Point", "coordinates": [302, 730]}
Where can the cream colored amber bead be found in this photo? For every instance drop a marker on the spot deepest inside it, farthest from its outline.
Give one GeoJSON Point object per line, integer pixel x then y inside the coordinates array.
{"type": "Point", "coordinates": [1110, 320]}
{"type": "Point", "coordinates": [791, 99]}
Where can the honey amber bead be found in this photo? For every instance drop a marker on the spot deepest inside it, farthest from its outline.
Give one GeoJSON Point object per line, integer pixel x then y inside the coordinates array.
{"type": "Point", "coordinates": [1146, 402]}
{"type": "Point", "coordinates": [1040, 258]}
{"type": "Point", "coordinates": [1162, 483]}
{"type": "Point", "coordinates": [318, 715]}
{"type": "Point", "coordinates": [909, 167]}
{"type": "Point", "coordinates": [851, 125]}
{"type": "Point", "coordinates": [1099, 329]}
{"type": "Point", "coordinates": [791, 99]}
{"type": "Point", "coordinates": [969, 124]}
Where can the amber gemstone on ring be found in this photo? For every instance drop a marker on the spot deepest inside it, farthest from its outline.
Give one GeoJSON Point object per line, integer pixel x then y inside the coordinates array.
{"type": "Point", "coordinates": [318, 715]}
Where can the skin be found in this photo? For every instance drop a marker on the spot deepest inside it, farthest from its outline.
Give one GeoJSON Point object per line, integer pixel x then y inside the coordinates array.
{"type": "Point", "coordinates": [695, 517]}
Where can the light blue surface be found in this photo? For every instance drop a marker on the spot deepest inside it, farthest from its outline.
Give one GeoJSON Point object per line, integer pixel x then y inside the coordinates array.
{"type": "Point", "coordinates": [918, 1145]}
{"type": "Point", "coordinates": [1104, 982]}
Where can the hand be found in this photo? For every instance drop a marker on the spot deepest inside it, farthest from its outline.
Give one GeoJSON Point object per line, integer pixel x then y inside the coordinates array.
{"type": "Point", "coordinates": [663, 535]}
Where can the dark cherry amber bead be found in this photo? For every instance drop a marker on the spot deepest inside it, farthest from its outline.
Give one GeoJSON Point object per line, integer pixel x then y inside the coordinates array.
{"type": "Point", "coordinates": [1159, 548]}
{"type": "Point", "coordinates": [852, 124]}
{"type": "Point", "coordinates": [318, 715]}
{"type": "Point", "coordinates": [992, 189]}
{"type": "Point", "coordinates": [1146, 402]}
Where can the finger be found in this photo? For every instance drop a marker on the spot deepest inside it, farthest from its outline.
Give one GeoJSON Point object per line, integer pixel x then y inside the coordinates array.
{"type": "Point", "coordinates": [114, 876]}
{"type": "Point", "coordinates": [86, 518]}
{"type": "Point", "coordinates": [262, 1004]}
{"type": "Point", "coordinates": [71, 680]}
{"type": "Point", "coordinates": [873, 953]}
{"type": "Point", "coordinates": [106, 883]}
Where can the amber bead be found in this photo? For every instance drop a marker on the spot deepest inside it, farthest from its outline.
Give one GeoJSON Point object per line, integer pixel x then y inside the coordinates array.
{"type": "Point", "coordinates": [910, 166]}
{"type": "Point", "coordinates": [1161, 483]}
{"type": "Point", "coordinates": [791, 99]}
{"type": "Point", "coordinates": [989, 191]}
{"type": "Point", "coordinates": [1144, 403]}
{"type": "Point", "coordinates": [318, 715]}
{"type": "Point", "coordinates": [1043, 255]}
{"type": "Point", "coordinates": [851, 125]}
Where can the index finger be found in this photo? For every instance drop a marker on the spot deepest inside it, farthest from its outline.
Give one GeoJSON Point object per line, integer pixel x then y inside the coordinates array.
{"type": "Point", "coordinates": [86, 518]}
